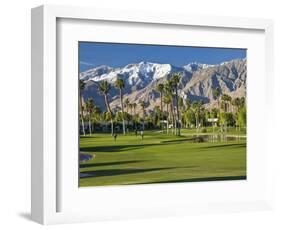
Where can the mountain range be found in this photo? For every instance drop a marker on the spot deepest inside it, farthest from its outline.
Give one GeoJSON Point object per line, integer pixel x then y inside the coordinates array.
{"type": "Point", "coordinates": [196, 83]}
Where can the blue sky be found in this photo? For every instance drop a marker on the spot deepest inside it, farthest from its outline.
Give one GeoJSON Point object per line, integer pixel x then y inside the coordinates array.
{"type": "Point", "coordinates": [92, 54]}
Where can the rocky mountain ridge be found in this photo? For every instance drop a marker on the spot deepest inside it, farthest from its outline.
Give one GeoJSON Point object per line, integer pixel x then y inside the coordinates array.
{"type": "Point", "coordinates": [196, 83]}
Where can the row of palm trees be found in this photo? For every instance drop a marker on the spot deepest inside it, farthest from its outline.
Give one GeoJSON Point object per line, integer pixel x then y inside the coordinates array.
{"type": "Point", "coordinates": [169, 95]}
{"type": "Point", "coordinates": [104, 88]}
{"type": "Point", "coordinates": [227, 112]}
{"type": "Point", "coordinates": [177, 111]}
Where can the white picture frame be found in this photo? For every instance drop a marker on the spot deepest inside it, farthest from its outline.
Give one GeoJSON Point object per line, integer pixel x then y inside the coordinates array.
{"type": "Point", "coordinates": [47, 176]}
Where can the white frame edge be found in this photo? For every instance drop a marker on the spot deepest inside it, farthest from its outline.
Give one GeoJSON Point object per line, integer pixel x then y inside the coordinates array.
{"type": "Point", "coordinates": [43, 86]}
{"type": "Point", "coordinates": [37, 115]}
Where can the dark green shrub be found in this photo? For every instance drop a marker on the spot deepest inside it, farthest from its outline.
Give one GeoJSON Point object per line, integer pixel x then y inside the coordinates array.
{"type": "Point", "coordinates": [199, 139]}
{"type": "Point", "coordinates": [204, 130]}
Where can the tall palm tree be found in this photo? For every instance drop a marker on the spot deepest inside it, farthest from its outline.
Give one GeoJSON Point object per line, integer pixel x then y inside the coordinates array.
{"type": "Point", "coordinates": [96, 115]}
{"type": "Point", "coordinates": [216, 95]}
{"type": "Point", "coordinates": [213, 115]}
{"type": "Point", "coordinates": [160, 89]}
{"type": "Point", "coordinates": [142, 104]}
{"type": "Point", "coordinates": [134, 108]}
{"type": "Point", "coordinates": [104, 88]}
{"type": "Point", "coordinates": [226, 101]}
{"type": "Point", "coordinates": [226, 98]}
{"type": "Point", "coordinates": [187, 112]}
{"type": "Point", "coordinates": [167, 101]}
{"type": "Point", "coordinates": [168, 87]}
{"type": "Point", "coordinates": [81, 86]}
{"type": "Point", "coordinates": [127, 102]}
{"type": "Point", "coordinates": [119, 84]}
{"type": "Point", "coordinates": [188, 103]}
{"type": "Point", "coordinates": [89, 108]}
{"type": "Point", "coordinates": [134, 115]}
{"type": "Point", "coordinates": [175, 82]}
{"type": "Point", "coordinates": [236, 102]}
{"type": "Point", "coordinates": [131, 109]}
{"type": "Point", "coordinates": [197, 107]}
{"type": "Point", "coordinates": [181, 109]}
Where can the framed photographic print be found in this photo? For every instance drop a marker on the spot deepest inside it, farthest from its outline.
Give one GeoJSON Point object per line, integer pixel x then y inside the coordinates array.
{"type": "Point", "coordinates": [145, 108]}
{"type": "Point", "coordinates": [138, 114]}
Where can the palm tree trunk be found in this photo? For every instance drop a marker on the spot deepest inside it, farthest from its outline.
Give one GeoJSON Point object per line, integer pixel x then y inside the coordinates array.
{"type": "Point", "coordinates": [219, 113]}
{"type": "Point", "coordinates": [81, 114]}
{"type": "Point", "coordinates": [90, 128]}
{"type": "Point", "coordinates": [110, 113]}
{"type": "Point", "coordinates": [178, 115]}
{"type": "Point", "coordinates": [167, 118]}
{"type": "Point", "coordinates": [226, 110]}
{"type": "Point", "coordinates": [173, 117]}
{"type": "Point", "coordinates": [213, 131]}
{"type": "Point", "coordinates": [122, 108]}
{"type": "Point", "coordinates": [161, 106]}
{"type": "Point", "coordinates": [127, 120]}
{"type": "Point", "coordinates": [197, 125]}
{"type": "Point", "coordinates": [112, 128]}
{"type": "Point", "coordinates": [135, 122]}
{"type": "Point", "coordinates": [143, 120]}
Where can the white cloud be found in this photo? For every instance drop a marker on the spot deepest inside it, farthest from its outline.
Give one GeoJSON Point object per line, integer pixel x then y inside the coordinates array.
{"type": "Point", "coordinates": [86, 63]}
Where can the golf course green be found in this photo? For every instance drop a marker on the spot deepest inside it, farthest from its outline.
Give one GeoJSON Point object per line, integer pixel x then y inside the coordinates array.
{"type": "Point", "coordinates": [160, 158]}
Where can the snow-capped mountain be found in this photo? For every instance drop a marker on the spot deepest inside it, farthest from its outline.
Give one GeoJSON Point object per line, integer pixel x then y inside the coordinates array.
{"type": "Point", "coordinates": [141, 79]}
{"type": "Point", "coordinates": [138, 75]}
{"type": "Point", "coordinates": [194, 66]}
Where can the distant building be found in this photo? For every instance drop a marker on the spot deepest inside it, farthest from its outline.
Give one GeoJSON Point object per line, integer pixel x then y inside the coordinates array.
{"type": "Point", "coordinates": [213, 121]}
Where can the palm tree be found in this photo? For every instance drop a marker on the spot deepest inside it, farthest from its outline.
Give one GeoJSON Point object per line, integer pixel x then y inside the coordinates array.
{"type": "Point", "coordinates": [142, 104]}
{"type": "Point", "coordinates": [168, 87]}
{"type": "Point", "coordinates": [96, 115]}
{"type": "Point", "coordinates": [181, 109]}
{"type": "Point", "coordinates": [134, 107]}
{"type": "Point", "coordinates": [81, 86]}
{"type": "Point", "coordinates": [197, 107]}
{"type": "Point", "coordinates": [160, 89]}
{"type": "Point", "coordinates": [216, 95]}
{"type": "Point", "coordinates": [127, 102]}
{"type": "Point", "coordinates": [104, 88]}
{"type": "Point", "coordinates": [119, 84]}
{"type": "Point", "coordinates": [202, 113]}
{"type": "Point", "coordinates": [131, 109]}
{"type": "Point", "coordinates": [226, 100]}
{"type": "Point", "coordinates": [213, 115]}
{"type": "Point", "coordinates": [175, 82]}
{"type": "Point", "coordinates": [187, 113]}
{"type": "Point", "coordinates": [167, 101]}
{"type": "Point", "coordinates": [237, 104]}
{"type": "Point", "coordinates": [89, 108]}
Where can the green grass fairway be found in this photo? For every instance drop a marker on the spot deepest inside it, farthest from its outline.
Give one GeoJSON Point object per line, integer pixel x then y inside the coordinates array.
{"type": "Point", "coordinates": [159, 158]}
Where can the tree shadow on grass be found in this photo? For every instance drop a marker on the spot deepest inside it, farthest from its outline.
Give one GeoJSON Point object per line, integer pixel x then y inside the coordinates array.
{"type": "Point", "coordinates": [117, 172]}
{"type": "Point", "coordinates": [120, 148]}
{"type": "Point", "coordinates": [223, 178]}
{"type": "Point", "coordinates": [114, 148]}
{"type": "Point", "coordinates": [87, 165]}
{"type": "Point", "coordinates": [225, 145]}
{"type": "Point", "coordinates": [178, 140]}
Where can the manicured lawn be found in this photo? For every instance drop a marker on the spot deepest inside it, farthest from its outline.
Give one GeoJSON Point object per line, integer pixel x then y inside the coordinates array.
{"type": "Point", "coordinates": [209, 130]}
{"type": "Point", "coordinates": [159, 158]}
